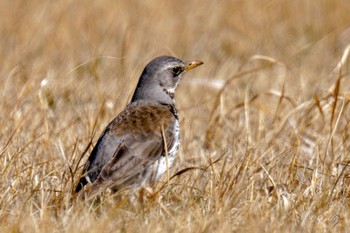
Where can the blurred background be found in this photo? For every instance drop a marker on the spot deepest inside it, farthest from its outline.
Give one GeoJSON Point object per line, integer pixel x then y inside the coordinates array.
{"type": "Point", "coordinates": [267, 91]}
{"type": "Point", "coordinates": [91, 54]}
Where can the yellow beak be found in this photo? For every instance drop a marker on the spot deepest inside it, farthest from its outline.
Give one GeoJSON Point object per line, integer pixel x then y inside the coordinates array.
{"type": "Point", "coordinates": [192, 64]}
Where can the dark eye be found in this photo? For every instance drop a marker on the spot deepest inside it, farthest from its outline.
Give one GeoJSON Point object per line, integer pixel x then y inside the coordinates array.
{"type": "Point", "coordinates": [177, 70]}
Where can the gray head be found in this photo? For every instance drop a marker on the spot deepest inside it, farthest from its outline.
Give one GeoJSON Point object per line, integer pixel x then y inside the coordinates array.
{"type": "Point", "coordinates": [160, 78]}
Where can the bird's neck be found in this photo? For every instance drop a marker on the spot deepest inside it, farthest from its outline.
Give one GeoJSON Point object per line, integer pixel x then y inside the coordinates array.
{"type": "Point", "coordinates": [155, 94]}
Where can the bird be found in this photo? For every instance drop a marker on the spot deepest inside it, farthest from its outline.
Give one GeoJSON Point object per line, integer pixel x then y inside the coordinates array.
{"type": "Point", "coordinates": [138, 146]}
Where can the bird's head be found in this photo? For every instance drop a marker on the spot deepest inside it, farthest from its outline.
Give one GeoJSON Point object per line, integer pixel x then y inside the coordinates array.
{"type": "Point", "coordinates": [160, 78]}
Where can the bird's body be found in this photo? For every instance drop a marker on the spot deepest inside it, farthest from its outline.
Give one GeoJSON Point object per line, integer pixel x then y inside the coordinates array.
{"type": "Point", "coordinates": [131, 151]}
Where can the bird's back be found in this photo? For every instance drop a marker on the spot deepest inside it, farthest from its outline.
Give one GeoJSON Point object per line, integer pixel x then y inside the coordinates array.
{"type": "Point", "coordinates": [130, 152]}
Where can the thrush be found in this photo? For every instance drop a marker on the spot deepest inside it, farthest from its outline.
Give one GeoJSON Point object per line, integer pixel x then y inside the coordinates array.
{"type": "Point", "coordinates": [140, 144]}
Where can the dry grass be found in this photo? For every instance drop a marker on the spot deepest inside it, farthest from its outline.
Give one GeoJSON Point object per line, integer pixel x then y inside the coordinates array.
{"type": "Point", "coordinates": [265, 122]}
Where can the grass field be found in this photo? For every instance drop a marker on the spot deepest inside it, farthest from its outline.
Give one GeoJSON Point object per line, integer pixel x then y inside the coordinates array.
{"type": "Point", "coordinates": [265, 122]}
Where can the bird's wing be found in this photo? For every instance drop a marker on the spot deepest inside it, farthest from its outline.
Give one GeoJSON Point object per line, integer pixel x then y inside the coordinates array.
{"type": "Point", "coordinates": [132, 157]}
{"type": "Point", "coordinates": [129, 145]}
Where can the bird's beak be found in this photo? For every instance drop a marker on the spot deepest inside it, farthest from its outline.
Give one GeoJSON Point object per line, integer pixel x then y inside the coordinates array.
{"type": "Point", "coordinates": [192, 64]}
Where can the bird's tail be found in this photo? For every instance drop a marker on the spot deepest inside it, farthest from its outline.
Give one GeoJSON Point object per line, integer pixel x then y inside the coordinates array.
{"type": "Point", "coordinates": [81, 184]}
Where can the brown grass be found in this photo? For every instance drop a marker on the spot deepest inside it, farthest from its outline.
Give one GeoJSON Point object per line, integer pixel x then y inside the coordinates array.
{"type": "Point", "coordinates": [265, 121]}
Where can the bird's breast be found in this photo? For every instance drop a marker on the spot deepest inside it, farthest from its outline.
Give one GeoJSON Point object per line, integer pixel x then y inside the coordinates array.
{"type": "Point", "coordinates": [162, 164]}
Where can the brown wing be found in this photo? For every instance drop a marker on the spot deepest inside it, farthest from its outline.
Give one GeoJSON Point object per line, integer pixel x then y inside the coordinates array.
{"type": "Point", "coordinates": [130, 144]}
{"type": "Point", "coordinates": [132, 158]}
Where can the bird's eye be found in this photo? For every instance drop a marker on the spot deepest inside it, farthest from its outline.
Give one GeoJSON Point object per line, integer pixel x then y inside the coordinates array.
{"type": "Point", "coordinates": [177, 70]}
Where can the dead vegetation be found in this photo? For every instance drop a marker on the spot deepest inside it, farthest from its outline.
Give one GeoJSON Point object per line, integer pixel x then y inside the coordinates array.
{"type": "Point", "coordinates": [265, 121]}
